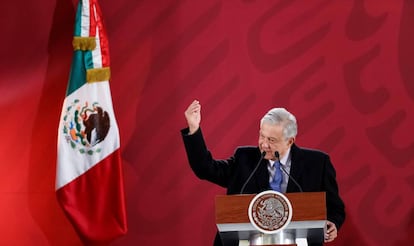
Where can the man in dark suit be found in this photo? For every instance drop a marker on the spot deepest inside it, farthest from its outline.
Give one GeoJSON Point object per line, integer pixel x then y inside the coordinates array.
{"type": "Point", "coordinates": [310, 170]}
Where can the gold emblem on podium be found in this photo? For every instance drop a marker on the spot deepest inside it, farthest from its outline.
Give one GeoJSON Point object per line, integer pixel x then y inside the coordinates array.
{"type": "Point", "coordinates": [270, 211]}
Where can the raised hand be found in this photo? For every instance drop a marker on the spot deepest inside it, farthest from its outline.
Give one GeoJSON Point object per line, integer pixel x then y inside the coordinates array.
{"type": "Point", "coordinates": [193, 116]}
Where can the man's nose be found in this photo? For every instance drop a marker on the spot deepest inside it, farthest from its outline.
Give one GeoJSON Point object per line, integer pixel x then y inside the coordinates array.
{"type": "Point", "coordinates": [266, 144]}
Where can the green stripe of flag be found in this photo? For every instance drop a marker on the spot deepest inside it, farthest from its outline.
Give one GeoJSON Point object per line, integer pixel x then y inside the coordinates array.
{"type": "Point", "coordinates": [77, 76]}
{"type": "Point", "coordinates": [77, 29]}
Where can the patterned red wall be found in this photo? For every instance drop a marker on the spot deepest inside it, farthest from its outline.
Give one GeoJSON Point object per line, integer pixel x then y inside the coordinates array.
{"type": "Point", "coordinates": [344, 68]}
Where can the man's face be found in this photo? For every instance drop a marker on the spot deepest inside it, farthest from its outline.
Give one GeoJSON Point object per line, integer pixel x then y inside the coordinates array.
{"type": "Point", "coordinates": [271, 139]}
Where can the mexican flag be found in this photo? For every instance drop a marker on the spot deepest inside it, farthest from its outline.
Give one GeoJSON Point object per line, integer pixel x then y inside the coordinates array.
{"type": "Point", "coordinates": [89, 178]}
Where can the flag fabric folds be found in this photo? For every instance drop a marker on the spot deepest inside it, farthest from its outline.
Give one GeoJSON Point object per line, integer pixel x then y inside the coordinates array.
{"type": "Point", "coordinates": [89, 178]}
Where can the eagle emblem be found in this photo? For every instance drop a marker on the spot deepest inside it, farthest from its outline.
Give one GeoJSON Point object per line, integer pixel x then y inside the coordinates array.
{"type": "Point", "coordinates": [85, 125]}
{"type": "Point", "coordinates": [270, 212]}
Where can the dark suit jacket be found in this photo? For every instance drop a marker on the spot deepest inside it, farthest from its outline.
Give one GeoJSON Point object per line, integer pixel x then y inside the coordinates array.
{"type": "Point", "coordinates": [312, 169]}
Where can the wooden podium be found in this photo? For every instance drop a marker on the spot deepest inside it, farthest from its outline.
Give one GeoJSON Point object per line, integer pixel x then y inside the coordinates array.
{"type": "Point", "coordinates": [308, 216]}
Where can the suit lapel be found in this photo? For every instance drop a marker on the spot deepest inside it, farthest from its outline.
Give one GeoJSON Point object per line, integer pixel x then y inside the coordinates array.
{"type": "Point", "coordinates": [296, 168]}
{"type": "Point", "coordinates": [262, 180]}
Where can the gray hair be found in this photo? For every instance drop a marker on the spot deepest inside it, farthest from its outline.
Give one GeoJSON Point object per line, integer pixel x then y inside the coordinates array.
{"type": "Point", "coordinates": [280, 116]}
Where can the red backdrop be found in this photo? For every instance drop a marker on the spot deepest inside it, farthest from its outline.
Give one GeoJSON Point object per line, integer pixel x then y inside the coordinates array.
{"type": "Point", "coordinates": [344, 68]}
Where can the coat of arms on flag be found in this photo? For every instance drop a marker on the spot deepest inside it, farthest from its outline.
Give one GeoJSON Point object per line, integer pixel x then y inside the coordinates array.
{"type": "Point", "coordinates": [85, 125]}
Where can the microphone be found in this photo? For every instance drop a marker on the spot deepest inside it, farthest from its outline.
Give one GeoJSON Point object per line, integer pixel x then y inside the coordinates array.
{"type": "Point", "coordinates": [254, 170]}
{"type": "Point", "coordinates": [284, 170]}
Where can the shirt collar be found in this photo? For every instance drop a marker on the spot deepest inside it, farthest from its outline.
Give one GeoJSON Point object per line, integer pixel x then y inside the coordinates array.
{"type": "Point", "coordinates": [284, 161]}
{"type": "Point", "coordinates": [285, 158]}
